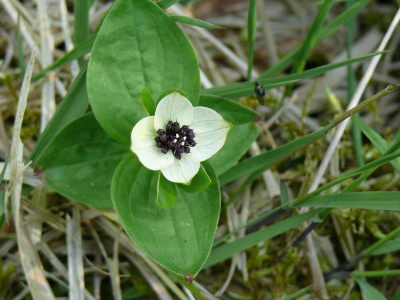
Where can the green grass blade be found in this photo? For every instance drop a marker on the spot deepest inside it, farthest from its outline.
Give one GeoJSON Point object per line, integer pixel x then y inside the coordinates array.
{"type": "Point", "coordinates": [78, 52]}
{"type": "Point", "coordinates": [375, 273]}
{"type": "Point", "coordinates": [295, 294]}
{"type": "Point", "coordinates": [365, 200]}
{"type": "Point", "coordinates": [284, 193]}
{"type": "Point", "coordinates": [351, 87]}
{"type": "Point", "coordinates": [164, 4]}
{"type": "Point", "coordinates": [374, 164]}
{"type": "Point", "coordinates": [194, 22]}
{"type": "Point", "coordinates": [325, 32]}
{"type": "Point", "coordinates": [396, 295]}
{"type": "Point", "coordinates": [310, 41]}
{"type": "Point", "coordinates": [264, 161]}
{"type": "Point", "coordinates": [382, 241]}
{"type": "Point", "coordinates": [220, 240]}
{"type": "Point", "coordinates": [379, 142]}
{"type": "Point", "coordinates": [242, 89]}
{"type": "Point", "coordinates": [251, 35]}
{"type": "Point", "coordinates": [81, 21]}
{"type": "Point", "coordinates": [388, 247]}
{"type": "Point", "coordinates": [74, 105]}
{"type": "Point", "coordinates": [320, 2]}
{"type": "Point", "coordinates": [225, 251]}
{"type": "Point", "coordinates": [369, 291]}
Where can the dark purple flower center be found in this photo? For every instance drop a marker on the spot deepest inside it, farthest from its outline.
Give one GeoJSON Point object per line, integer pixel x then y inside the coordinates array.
{"type": "Point", "coordinates": [176, 138]}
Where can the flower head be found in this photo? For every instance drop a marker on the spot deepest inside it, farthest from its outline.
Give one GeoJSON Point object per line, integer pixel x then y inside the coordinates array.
{"type": "Point", "coordinates": [178, 138]}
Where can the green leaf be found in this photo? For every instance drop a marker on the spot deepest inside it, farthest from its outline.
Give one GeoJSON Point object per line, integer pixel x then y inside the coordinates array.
{"type": "Point", "coordinates": [138, 46]}
{"type": "Point", "coordinates": [147, 101]}
{"type": "Point", "coordinates": [369, 291]}
{"type": "Point", "coordinates": [194, 22]}
{"type": "Point", "coordinates": [365, 200]}
{"type": "Point", "coordinates": [73, 106]}
{"type": "Point", "coordinates": [264, 161]}
{"type": "Point", "coordinates": [179, 238]}
{"type": "Point", "coordinates": [166, 192]}
{"type": "Point", "coordinates": [198, 183]}
{"type": "Point", "coordinates": [225, 251]}
{"type": "Point", "coordinates": [243, 133]}
{"type": "Point", "coordinates": [242, 89]}
{"type": "Point", "coordinates": [80, 161]}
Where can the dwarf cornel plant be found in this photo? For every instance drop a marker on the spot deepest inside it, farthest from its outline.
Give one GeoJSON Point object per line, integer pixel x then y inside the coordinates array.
{"type": "Point", "coordinates": [145, 147]}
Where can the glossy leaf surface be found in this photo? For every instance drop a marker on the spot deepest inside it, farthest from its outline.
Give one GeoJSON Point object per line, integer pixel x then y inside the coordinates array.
{"type": "Point", "coordinates": [166, 192]}
{"type": "Point", "coordinates": [179, 238]}
{"type": "Point", "coordinates": [80, 161]}
{"type": "Point", "coordinates": [138, 46]}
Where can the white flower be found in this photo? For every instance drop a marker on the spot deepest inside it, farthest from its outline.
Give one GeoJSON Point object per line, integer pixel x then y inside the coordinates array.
{"type": "Point", "coordinates": [178, 138]}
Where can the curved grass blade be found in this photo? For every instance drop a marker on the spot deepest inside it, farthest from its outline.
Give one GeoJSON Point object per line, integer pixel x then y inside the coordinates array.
{"type": "Point", "coordinates": [296, 294]}
{"type": "Point", "coordinates": [79, 51]}
{"type": "Point", "coordinates": [369, 291]}
{"type": "Point", "coordinates": [309, 42]}
{"type": "Point", "coordinates": [325, 32]}
{"type": "Point", "coordinates": [365, 200]}
{"type": "Point", "coordinates": [225, 251]}
{"type": "Point", "coordinates": [379, 142]}
{"type": "Point", "coordinates": [387, 247]}
{"type": "Point", "coordinates": [242, 89]}
{"type": "Point", "coordinates": [264, 161]}
{"type": "Point", "coordinates": [194, 22]}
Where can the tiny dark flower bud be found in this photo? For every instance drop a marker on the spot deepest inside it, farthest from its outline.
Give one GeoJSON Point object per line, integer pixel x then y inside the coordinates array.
{"type": "Point", "coordinates": [176, 127]}
{"type": "Point", "coordinates": [180, 150]}
{"type": "Point", "coordinates": [192, 143]}
{"type": "Point", "coordinates": [160, 132]}
{"type": "Point", "coordinates": [178, 155]}
{"type": "Point", "coordinates": [159, 145]}
{"type": "Point", "coordinates": [157, 139]}
{"type": "Point", "coordinates": [165, 149]}
{"type": "Point", "coordinates": [169, 126]}
{"type": "Point", "coordinates": [185, 128]}
{"type": "Point", "coordinates": [187, 149]}
{"type": "Point", "coordinates": [163, 137]}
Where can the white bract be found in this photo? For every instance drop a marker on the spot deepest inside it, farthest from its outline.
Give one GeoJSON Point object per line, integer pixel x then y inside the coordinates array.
{"type": "Point", "coordinates": [178, 149]}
